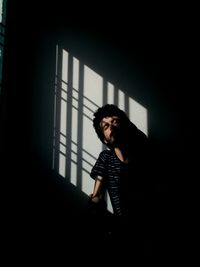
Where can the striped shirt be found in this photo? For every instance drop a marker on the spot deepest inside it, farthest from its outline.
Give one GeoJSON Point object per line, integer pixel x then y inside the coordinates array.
{"type": "Point", "coordinates": [114, 174]}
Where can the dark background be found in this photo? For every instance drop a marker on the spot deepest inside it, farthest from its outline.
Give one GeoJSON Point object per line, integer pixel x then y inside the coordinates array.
{"type": "Point", "coordinates": [148, 53]}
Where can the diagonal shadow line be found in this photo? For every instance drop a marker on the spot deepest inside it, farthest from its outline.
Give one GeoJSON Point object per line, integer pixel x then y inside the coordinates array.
{"type": "Point", "coordinates": [71, 160]}
{"type": "Point", "coordinates": [70, 95]}
{"type": "Point", "coordinates": [78, 92]}
{"type": "Point", "coordinates": [89, 154]}
{"type": "Point", "coordinates": [69, 102]}
{"type": "Point", "coordinates": [81, 113]}
{"type": "Point", "coordinates": [72, 151]}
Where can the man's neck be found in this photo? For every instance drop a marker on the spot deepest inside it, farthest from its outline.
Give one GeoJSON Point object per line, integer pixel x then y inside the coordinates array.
{"type": "Point", "coordinates": [121, 155]}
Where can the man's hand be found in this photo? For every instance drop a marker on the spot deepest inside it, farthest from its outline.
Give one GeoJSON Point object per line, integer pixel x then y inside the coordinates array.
{"type": "Point", "coordinates": [94, 199]}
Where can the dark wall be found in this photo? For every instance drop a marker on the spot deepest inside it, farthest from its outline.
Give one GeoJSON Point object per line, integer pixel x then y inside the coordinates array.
{"type": "Point", "coordinates": [142, 59]}
{"type": "Point", "coordinates": [145, 58]}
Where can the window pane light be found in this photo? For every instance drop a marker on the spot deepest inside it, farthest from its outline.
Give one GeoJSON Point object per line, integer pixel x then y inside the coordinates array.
{"type": "Point", "coordinates": [79, 94]}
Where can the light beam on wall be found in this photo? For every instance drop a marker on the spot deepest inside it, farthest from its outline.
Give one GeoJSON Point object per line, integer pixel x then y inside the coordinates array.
{"type": "Point", "coordinates": [79, 91]}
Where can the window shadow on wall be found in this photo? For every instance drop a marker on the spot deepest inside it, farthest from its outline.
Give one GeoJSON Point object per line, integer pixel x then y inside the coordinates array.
{"type": "Point", "coordinates": [79, 92]}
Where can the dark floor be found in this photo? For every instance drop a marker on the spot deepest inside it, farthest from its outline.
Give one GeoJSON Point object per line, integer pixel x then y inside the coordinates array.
{"type": "Point", "coordinates": [53, 218]}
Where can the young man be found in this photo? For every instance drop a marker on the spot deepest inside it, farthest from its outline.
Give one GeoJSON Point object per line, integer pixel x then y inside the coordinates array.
{"type": "Point", "coordinates": [122, 168]}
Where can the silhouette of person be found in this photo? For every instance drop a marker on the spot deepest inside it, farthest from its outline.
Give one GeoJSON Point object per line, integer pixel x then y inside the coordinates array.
{"type": "Point", "coordinates": [123, 170]}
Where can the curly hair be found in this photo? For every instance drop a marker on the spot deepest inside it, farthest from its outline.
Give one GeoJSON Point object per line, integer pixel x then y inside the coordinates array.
{"type": "Point", "coordinates": [108, 110]}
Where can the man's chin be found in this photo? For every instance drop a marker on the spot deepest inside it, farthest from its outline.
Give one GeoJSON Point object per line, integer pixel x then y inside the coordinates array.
{"type": "Point", "coordinates": [113, 142]}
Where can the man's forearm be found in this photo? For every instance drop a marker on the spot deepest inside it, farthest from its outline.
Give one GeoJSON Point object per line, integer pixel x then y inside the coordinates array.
{"type": "Point", "coordinates": [97, 187]}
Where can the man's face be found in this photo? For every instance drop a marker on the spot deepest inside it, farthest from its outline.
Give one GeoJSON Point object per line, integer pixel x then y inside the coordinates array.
{"type": "Point", "coordinates": [110, 127]}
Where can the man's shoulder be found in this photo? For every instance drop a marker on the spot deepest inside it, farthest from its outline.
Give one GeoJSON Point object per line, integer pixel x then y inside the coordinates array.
{"type": "Point", "coordinates": [106, 153]}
